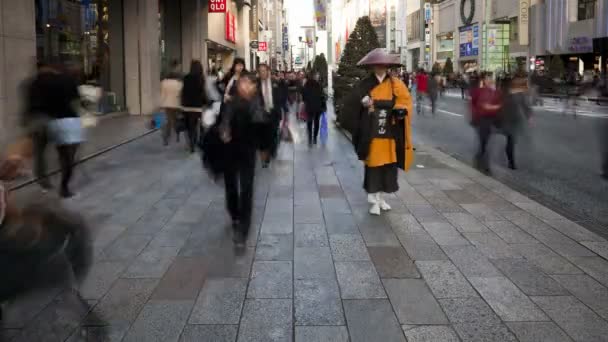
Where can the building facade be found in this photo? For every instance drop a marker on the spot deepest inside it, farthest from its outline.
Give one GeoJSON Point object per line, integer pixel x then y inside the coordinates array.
{"type": "Point", "coordinates": [122, 45]}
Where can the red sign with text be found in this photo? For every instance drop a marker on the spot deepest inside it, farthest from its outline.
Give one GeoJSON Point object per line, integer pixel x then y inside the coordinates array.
{"type": "Point", "coordinates": [217, 6]}
{"type": "Point", "coordinates": [230, 27]}
{"type": "Point", "coordinates": [262, 46]}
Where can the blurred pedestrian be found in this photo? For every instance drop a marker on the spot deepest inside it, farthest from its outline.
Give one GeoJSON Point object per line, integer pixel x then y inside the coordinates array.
{"type": "Point", "coordinates": [170, 101]}
{"type": "Point", "coordinates": [238, 68]}
{"type": "Point", "coordinates": [43, 246]}
{"type": "Point", "coordinates": [315, 104]}
{"type": "Point", "coordinates": [422, 81]}
{"type": "Point", "coordinates": [514, 115]}
{"type": "Point", "coordinates": [194, 98]}
{"type": "Point", "coordinates": [237, 129]}
{"type": "Point", "coordinates": [270, 96]}
{"type": "Point", "coordinates": [52, 115]}
{"type": "Point", "coordinates": [381, 129]}
{"type": "Point", "coordinates": [485, 105]}
{"type": "Point", "coordinates": [433, 92]}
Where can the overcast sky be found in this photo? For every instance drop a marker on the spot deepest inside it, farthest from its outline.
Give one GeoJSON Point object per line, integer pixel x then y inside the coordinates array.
{"type": "Point", "coordinates": [299, 13]}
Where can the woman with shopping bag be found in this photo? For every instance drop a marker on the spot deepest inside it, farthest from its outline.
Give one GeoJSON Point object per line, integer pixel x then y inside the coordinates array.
{"type": "Point", "coordinates": [379, 121]}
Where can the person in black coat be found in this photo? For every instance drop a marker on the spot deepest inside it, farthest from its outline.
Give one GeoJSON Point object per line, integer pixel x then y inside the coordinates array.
{"type": "Point", "coordinates": [194, 97]}
{"type": "Point", "coordinates": [271, 100]}
{"type": "Point", "coordinates": [314, 102]}
{"type": "Point", "coordinates": [237, 130]}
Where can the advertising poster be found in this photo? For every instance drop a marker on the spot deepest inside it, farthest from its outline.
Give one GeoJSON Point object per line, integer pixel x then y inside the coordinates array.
{"type": "Point", "coordinates": [377, 15]}
{"type": "Point", "coordinates": [469, 40]}
{"type": "Point", "coordinates": [309, 37]}
{"type": "Point", "coordinates": [253, 21]}
{"type": "Point", "coordinates": [321, 14]}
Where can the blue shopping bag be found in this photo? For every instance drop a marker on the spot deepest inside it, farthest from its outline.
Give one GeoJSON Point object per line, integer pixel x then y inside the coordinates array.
{"type": "Point", "coordinates": [159, 119]}
{"type": "Point", "coordinates": [66, 131]}
{"type": "Point", "coordinates": [324, 129]}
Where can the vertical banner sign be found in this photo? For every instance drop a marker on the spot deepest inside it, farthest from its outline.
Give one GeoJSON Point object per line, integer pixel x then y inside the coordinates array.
{"type": "Point", "coordinates": [285, 38]}
{"type": "Point", "coordinates": [263, 46]}
{"type": "Point", "coordinates": [217, 6]}
{"type": "Point", "coordinates": [230, 27]}
{"type": "Point", "coordinates": [377, 14]}
{"type": "Point", "coordinates": [321, 14]}
{"type": "Point", "coordinates": [253, 21]}
{"type": "Point", "coordinates": [524, 18]}
{"type": "Point", "coordinates": [310, 37]}
{"type": "Point", "coordinates": [428, 15]}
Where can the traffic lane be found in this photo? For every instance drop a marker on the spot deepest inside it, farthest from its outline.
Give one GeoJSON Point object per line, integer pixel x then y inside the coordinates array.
{"type": "Point", "coordinates": [558, 159]}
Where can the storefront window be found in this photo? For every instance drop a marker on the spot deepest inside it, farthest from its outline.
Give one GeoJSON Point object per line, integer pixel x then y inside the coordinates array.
{"type": "Point", "coordinates": [77, 32]}
{"type": "Point", "coordinates": [586, 9]}
{"type": "Point", "coordinates": [496, 55]}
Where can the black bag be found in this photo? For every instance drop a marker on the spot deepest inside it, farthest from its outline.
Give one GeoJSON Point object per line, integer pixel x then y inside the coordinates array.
{"type": "Point", "coordinates": [381, 119]}
{"type": "Point", "coordinates": [180, 124]}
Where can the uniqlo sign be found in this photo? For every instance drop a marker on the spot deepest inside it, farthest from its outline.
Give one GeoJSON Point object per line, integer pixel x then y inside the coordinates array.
{"type": "Point", "coordinates": [217, 6]}
{"type": "Point", "coordinates": [230, 27]}
{"type": "Point", "coordinates": [262, 46]}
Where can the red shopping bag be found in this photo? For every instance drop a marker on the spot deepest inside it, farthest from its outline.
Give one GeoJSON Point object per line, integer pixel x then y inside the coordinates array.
{"type": "Point", "coordinates": [302, 113]}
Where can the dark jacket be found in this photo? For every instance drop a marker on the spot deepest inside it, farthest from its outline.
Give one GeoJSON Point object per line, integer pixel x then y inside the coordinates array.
{"type": "Point", "coordinates": [515, 112]}
{"type": "Point", "coordinates": [193, 92]}
{"type": "Point", "coordinates": [277, 98]}
{"type": "Point", "coordinates": [313, 96]}
{"type": "Point", "coordinates": [51, 95]}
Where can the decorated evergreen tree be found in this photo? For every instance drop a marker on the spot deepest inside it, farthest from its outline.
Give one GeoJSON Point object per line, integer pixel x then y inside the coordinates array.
{"type": "Point", "coordinates": [320, 66]}
{"type": "Point", "coordinates": [448, 68]}
{"type": "Point", "coordinates": [361, 41]}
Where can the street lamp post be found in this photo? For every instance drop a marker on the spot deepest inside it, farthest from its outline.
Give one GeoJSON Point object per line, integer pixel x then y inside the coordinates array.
{"type": "Point", "coordinates": [400, 43]}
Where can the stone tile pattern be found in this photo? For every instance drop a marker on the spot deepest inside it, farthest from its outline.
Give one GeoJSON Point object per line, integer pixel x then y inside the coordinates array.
{"type": "Point", "coordinates": [496, 266]}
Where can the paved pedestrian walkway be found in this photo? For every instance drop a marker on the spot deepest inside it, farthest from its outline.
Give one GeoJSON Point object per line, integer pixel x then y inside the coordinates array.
{"type": "Point", "coordinates": [460, 257]}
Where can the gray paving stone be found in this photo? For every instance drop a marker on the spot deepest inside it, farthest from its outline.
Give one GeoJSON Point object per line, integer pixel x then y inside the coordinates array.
{"type": "Point", "coordinates": [372, 320]}
{"type": "Point", "coordinates": [404, 223]}
{"type": "Point", "coordinates": [183, 280]}
{"type": "Point", "coordinates": [482, 212]}
{"type": "Point", "coordinates": [172, 236]}
{"type": "Point", "coordinates": [493, 332]}
{"type": "Point", "coordinates": [123, 302]}
{"type": "Point", "coordinates": [317, 302]}
{"type": "Point", "coordinates": [465, 223]}
{"type": "Point", "coordinates": [578, 321]}
{"type": "Point", "coordinates": [311, 235]}
{"type": "Point", "coordinates": [574, 231]}
{"type": "Point", "coordinates": [507, 300]}
{"type": "Point", "coordinates": [421, 246]}
{"type": "Point", "coordinates": [510, 233]}
{"type": "Point", "coordinates": [348, 247]}
{"type": "Point", "coordinates": [22, 310]}
{"type": "Point", "coordinates": [393, 262]}
{"type": "Point", "coordinates": [266, 320]}
{"type": "Point", "coordinates": [335, 205]}
{"type": "Point", "coordinates": [277, 226]}
{"type": "Point", "coordinates": [471, 262]}
{"type": "Point", "coordinates": [308, 213]}
{"type": "Point", "coordinates": [470, 310]}
{"type": "Point", "coordinates": [321, 334]}
{"type": "Point", "coordinates": [271, 279]}
{"type": "Point", "coordinates": [530, 279]}
{"type": "Point", "coordinates": [538, 332]}
{"type": "Point", "coordinates": [431, 333]}
{"type": "Point", "coordinates": [275, 247]}
{"type": "Point", "coordinates": [160, 321]}
{"type": "Point", "coordinates": [546, 259]}
{"type": "Point", "coordinates": [100, 278]}
{"type": "Point", "coordinates": [425, 213]}
{"type": "Point", "coordinates": [379, 236]}
{"type": "Point", "coordinates": [220, 301]}
{"type": "Point", "coordinates": [461, 196]}
{"type": "Point", "coordinates": [587, 290]}
{"type": "Point", "coordinates": [209, 333]}
{"type": "Point", "coordinates": [445, 280]}
{"type": "Point", "coordinates": [413, 302]}
{"type": "Point", "coordinates": [445, 234]}
{"type": "Point", "coordinates": [539, 211]}
{"type": "Point", "coordinates": [126, 247]}
{"type": "Point", "coordinates": [112, 333]}
{"type": "Point", "coordinates": [359, 280]}
{"type": "Point", "coordinates": [491, 245]}
{"type": "Point", "coordinates": [153, 262]}
{"type": "Point", "coordinates": [313, 262]}
{"type": "Point", "coordinates": [594, 266]}
{"type": "Point", "coordinates": [340, 224]}
{"type": "Point", "coordinates": [601, 248]}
